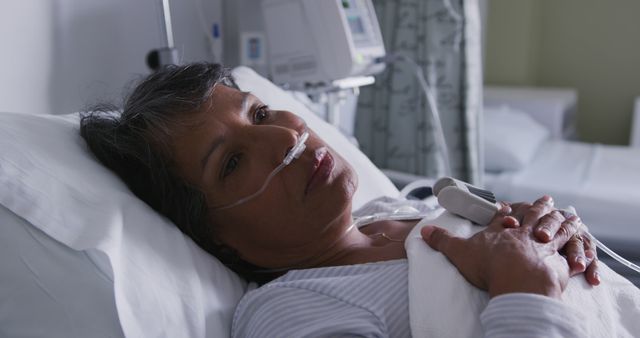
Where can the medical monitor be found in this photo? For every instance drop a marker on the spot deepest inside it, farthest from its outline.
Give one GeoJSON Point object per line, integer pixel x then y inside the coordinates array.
{"type": "Point", "coordinates": [315, 42]}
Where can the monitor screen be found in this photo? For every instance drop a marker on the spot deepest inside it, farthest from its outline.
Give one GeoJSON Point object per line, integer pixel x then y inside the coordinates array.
{"type": "Point", "coordinates": [355, 23]}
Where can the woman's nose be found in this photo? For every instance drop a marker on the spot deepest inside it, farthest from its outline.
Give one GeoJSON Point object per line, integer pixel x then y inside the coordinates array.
{"type": "Point", "coordinates": [294, 124]}
{"type": "Point", "coordinates": [290, 120]}
{"type": "Point", "coordinates": [273, 143]}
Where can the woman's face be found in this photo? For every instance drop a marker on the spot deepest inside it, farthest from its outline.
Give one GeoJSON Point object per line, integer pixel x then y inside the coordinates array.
{"type": "Point", "coordinates": [237, 141]}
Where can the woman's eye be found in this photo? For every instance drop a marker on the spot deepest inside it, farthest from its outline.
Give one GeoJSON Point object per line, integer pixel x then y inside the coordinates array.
{"type": "Point", "coordinates": [261, 114]}
{"type": "Point", "coordinates": [231, 165]}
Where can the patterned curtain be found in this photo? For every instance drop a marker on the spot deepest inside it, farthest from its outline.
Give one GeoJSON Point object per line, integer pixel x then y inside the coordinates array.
{"type": "Point", "coordinates": [394, 125]}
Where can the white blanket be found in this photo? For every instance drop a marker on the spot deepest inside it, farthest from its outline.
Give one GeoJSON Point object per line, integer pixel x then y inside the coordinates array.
{"type": "Point", "coordinates": [443, 304]}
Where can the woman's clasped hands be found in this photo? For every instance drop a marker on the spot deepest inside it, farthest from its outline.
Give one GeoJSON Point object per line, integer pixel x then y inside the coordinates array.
{"type": "Point", "coordinates": [530, 248]}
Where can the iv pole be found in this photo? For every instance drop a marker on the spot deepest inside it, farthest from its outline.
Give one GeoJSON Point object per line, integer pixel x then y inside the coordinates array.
{"type": "Point", "coordinates": [168, 55]}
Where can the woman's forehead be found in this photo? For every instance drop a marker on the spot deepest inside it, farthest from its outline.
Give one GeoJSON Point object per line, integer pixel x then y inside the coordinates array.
{"type": "Point", "coordinates": [223, 102]}
{"type": "Point", "coordinates": [226, 108]}
{"type": "Point", "coordinates": [230, 98]}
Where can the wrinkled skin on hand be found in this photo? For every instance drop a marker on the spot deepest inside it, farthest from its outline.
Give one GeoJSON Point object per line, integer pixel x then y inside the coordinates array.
{"type": "Point", "coordinates": [548, 223]}
{"type": "Point", "coordinates": [507, 256]}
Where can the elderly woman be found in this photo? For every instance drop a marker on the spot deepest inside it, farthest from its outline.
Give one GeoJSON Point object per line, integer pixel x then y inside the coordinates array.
{"type": "Point", "coordinates": [199, 151]}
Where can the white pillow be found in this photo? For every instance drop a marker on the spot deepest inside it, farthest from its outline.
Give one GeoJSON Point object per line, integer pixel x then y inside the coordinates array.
{"type": "Point", "coordinates": [511, 138]}
{"type": "Point", "coordinates": [50, 290]}
{"type": "Point", "coordinates": [164, 285]}
{"type": "Point", "coordinates": [372, 182]}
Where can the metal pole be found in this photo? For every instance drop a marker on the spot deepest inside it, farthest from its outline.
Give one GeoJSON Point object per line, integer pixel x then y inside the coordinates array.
{"type": "Point", "coordinates": [167, 55]}
{"type": "Point", "coordinates": [168, 29]}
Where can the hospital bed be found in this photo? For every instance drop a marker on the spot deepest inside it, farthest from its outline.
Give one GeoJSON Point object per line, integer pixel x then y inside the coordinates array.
{"type": "Point", "coordinates": [523, 162]}
{"type": "Point", "coordinates": [81, 256]}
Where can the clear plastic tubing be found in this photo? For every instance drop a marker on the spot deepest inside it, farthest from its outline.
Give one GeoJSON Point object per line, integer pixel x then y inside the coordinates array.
{"type": "Point", "coordinates": [294, 153]}
{"type": "Point", "coordinates": [615, 256]}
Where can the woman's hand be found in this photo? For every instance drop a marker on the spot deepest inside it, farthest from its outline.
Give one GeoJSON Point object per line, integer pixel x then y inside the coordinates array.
{"type": "Point", "coordinates": [506, 257]}
{"type": "Point", "coordinates": [549, 222]}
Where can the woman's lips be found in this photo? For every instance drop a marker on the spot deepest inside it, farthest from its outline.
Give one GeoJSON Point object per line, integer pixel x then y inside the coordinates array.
{"type": "Point", "coordinates": [321, 170]}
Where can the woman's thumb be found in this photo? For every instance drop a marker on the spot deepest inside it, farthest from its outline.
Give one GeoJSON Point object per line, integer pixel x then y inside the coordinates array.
{"type": "Point", "coordinates": [440, 240]}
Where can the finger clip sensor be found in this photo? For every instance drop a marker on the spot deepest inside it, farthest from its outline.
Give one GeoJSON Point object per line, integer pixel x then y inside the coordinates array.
{"type": "Point", "coordinates": [466, 200]}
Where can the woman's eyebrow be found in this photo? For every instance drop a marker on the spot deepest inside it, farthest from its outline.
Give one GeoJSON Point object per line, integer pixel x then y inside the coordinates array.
{"type": "Point", "coordinates": [216, 143]}
{"type": "Point", "coordinates": [220, 140]}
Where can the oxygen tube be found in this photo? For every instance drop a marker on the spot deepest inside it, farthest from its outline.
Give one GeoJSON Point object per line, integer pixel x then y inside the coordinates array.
{"type": "Point", "coordinates": [294, 153]}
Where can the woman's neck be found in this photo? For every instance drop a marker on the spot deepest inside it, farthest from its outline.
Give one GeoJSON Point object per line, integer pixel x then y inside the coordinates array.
{"type": "Point", "coordinates": [378, 241]}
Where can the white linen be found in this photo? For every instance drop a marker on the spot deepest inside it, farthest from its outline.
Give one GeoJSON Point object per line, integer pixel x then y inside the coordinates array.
{"type": "Point", "coordinates": [554, 108]}
{"type": "Point", "coordinates": [50, 290]}
{"type": "Point", "coordinates": [601, 182]}
{"type": "Point", "coordinates": [443, 304]}
{"type": "Point", "coordinates": [511, 138]}
{"type": "Point", "coordinates": [164, 285]}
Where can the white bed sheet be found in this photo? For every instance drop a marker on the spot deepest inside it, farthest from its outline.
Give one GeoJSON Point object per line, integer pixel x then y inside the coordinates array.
{"type": "Point", "coordinates": [601, 182]}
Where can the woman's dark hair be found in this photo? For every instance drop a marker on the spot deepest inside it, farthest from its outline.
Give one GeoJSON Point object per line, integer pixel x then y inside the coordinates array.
{"type": "Point", "coordinates": [135, 144]}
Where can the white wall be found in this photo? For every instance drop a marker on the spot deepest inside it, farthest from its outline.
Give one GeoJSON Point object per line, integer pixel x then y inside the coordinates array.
{"type": "Point", "coordinates": [59, 56]}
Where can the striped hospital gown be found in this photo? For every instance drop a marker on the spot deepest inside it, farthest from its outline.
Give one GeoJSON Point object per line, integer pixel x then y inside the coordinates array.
{"type": "Point", "coordinates": [371, 300]}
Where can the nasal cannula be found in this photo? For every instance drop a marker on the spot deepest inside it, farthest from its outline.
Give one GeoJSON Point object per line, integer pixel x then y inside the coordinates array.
{"type": "Point", "coordinates": [463, 194]}
{"type": "Point", "coordinates": [294, 153]}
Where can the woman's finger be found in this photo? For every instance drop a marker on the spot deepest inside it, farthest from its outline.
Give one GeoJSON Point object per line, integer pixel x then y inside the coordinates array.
{"type": "Point", "coordinates": [499, 218]}
{"type": "Point", "coordinates": [503, 204]}
{"type": "Point", "coordinates": [540, 207]}
{"type": "Point", "coordinates": [510, 222]}
{"type": "Point", "coordinates": [589, 244]}
{"type": "Point", "coordinates": [574, 249]}
{"type": "Point", "coordinates": [459, 252]}
{"type": "Point", "coordinates": [568, 228]}
{"type": "Point", "coordinates": [548, 226]}
{"type": "Point", "coordinates": [591, 274]}
{"type": "Point", "coordinates": [441, 240]}
{"type": "Point", "coordinates": [519, 209]}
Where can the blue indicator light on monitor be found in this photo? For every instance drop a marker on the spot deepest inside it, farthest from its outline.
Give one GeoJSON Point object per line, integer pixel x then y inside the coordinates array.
{"type": "Point", "coordinates": [215, 31]}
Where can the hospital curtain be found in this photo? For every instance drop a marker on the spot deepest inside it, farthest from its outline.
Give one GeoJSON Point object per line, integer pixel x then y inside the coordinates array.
{"type": "Point", "coordinates": [394, 125]}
